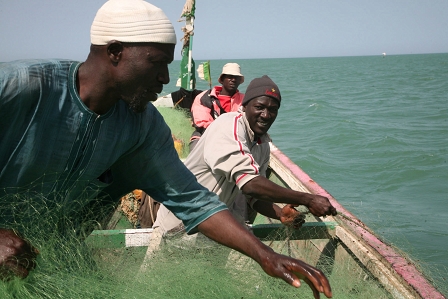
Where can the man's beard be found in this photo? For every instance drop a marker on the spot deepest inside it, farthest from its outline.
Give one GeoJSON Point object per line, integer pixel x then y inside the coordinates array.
{"type": "Point", "coordinates": [139, 102]}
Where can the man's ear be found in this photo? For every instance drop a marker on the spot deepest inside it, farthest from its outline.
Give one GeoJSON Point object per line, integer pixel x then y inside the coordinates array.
{"type": "Point", "coordinates": [114, 50]}
{"type": "Point", "coordinates": [244, 108]}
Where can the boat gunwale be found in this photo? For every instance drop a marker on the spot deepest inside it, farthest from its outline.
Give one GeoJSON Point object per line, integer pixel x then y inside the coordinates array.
{"type": "Point", "coordinates": [402, 266]}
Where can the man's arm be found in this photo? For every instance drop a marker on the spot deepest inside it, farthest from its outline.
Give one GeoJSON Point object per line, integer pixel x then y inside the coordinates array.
{"type": "Point", "coordinates": [263, 189]}
{"type": "Point", "coordinates": [267, 209]}
{"type": "Point", "coordinates": [223, 228]}
{"type": "Point", "coordinates": [201, 114]}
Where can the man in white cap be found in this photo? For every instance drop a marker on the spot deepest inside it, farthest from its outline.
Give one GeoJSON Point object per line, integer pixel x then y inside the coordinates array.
{"type": "Point", "coordinates": [210, 104]}
{"type": "Point", "coordinates": [72, 131]}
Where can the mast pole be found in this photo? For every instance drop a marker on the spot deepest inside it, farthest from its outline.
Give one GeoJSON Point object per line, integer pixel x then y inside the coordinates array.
{"type": "Point", "coordinates": [187, 76]}
{"type": "Point", "coordinates": [190, 54]}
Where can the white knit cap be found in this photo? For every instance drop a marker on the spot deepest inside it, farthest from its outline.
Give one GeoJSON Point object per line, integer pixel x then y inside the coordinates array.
{"type": "Point", "coordinates": [131, 21]}
{"type": "Point", "coordinates": [231, 68]}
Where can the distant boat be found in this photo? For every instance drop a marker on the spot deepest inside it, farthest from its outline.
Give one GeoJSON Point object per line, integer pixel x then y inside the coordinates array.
{"type": "Point", "coordinates": [384, 54]}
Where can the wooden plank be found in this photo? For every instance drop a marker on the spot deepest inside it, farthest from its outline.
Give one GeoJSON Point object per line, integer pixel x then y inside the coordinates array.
{"type": "Point", "coordinates": [309, 230]}
{"type": "Point", "coordinates": [119, 238]}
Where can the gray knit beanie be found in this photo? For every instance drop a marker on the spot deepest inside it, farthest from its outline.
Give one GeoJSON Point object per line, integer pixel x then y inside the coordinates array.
{"type": "Point", "coordinates": [263, 86]}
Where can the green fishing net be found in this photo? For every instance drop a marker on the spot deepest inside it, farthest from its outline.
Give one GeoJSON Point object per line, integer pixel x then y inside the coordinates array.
{"type": "Point", "coordinates": [178, 119]}
{"type": "Point", "coordinates": [68, 268]}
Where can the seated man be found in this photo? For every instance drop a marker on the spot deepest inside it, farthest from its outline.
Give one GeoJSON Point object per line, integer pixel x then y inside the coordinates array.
{"type": "Point", "coordinates": [210, 104]}
{"type": "Point", "coordinates": [233, 155]}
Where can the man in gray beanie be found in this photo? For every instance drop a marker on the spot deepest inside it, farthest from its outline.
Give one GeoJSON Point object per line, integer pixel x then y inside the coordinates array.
{"type": "Point", "coordinates": [263, 86]}
{"type": "Point", "coordinates": [233, 156]}
{"type": "Point", "coordinates": [75, 132]}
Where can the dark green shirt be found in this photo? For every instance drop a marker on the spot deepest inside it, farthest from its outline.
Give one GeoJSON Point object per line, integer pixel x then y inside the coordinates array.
{"type": "Point", "coordinates": [52, 144]}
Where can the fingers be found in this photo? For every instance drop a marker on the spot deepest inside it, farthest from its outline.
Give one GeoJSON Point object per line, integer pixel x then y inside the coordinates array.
{"type": "Point", "coordinates": [321, 207]}
{"type": "Point", "coordinates": [25, 255]}
{"type": "Point", "coordinates": [333, 211]}
{"type": "Point", "coordinates": [291, 217]}
{"type": "Point", "coordinates": [298, 222]}
{"type": "Point", "coordinates": [292, 206]}
{"type": "Point", "coordinates": [316, 293]}
{"type": "Point", "coordinates": [315, 279]}
{"type": "Point", "coordinates": [17, 256]}
{"type": "Point", "coordinates": [28, 263]}
{"type": "Point", "coordinates": [292, 270]}
{"type": "Point", "coordinates": [289, 209]}
{"type": "Point", "coordinates": [19, 266]}
{"type": "Point", "coordinates": [11, 269]}
{"type": "Point", "coordinates": [323, 282]}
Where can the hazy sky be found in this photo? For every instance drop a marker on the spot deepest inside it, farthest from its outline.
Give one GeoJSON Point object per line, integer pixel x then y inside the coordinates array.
{"type": "Point", "coordinates": [243, 29]}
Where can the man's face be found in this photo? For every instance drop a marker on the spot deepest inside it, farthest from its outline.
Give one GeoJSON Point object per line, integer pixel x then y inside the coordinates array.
{"type": "Point", "coordinates": [230, 83]}
{"type": "Point", "coordinates": [261, 113]}
{"type": "Point", "coordinates": [143, 72]}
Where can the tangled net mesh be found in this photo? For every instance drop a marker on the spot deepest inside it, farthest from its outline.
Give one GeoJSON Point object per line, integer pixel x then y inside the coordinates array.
{"type": "Point", "coordinates": [68, 268]}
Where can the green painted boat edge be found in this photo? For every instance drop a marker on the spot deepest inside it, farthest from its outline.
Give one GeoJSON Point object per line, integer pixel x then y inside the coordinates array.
{"type": "Point", "coordinates": [267, 232]}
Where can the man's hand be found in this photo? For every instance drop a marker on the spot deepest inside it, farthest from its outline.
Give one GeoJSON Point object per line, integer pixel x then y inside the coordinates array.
{"type": "Point", "coordinates": [17, 256]}
{"type": "Point", "coordinates": [321, 206]}
{"type": "Point", "coordinates": [291, 217]}
{"type": "Point", "coordinates": [224, 229]}
{"type": "Point", "coordinates": [292, 270]}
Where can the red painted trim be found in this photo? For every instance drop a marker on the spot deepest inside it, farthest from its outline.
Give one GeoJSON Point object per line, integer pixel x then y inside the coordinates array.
{"type": "Point", "coordinates": [239, 179]}
{"type": "Point", "coordinates": [235, 135]}
{"type": "Point", "coordinates": [397, 262]}
{"type": "Point", "coordinates": [235, 132]}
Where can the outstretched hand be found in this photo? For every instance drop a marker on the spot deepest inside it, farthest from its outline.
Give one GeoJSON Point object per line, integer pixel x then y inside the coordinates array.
{"type": "Point", "coordinates": [321, 206]}
{"type": "Point", "coordinates": [291, 217]}
{"type": "Point", "coordinates": [223, 228]}
{"type": "Point", "coordinates": [17, 256]}
{"type": "Point", "coordinates": [292, 270]}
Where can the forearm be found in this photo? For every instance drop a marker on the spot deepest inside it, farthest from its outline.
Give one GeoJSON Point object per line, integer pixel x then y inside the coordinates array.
{"type": "Point", "coordinates": [267, 209]}
{"type": "Point", "coordinates": [262, 188]}
{"type": "Point", "coordinates": [224, 229]}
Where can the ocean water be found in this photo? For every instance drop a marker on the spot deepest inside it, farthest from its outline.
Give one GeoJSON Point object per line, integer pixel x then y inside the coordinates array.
{"type": "Point", "coordinates": [372, 131]}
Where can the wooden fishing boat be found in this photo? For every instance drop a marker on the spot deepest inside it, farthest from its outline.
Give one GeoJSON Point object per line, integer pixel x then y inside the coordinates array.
{"type": "Point", "coordinates": [340, 243]}
{"type": "Point", "coordinates": [340, 240]}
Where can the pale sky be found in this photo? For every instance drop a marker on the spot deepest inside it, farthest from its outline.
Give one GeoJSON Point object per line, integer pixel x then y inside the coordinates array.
{"type": "Point", "coordinates": [241, 29]}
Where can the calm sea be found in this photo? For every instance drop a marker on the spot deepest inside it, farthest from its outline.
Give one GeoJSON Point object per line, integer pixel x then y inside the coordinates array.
{"type": "Point", "coordinates": [372, 131]}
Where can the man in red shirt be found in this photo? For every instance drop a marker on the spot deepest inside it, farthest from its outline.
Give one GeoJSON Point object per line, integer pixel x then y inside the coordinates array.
{"type": "Point", "coordinates": [210, 104]}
